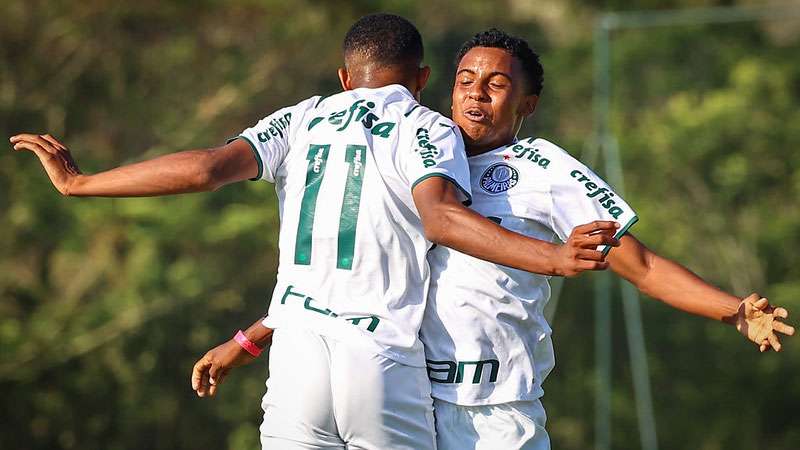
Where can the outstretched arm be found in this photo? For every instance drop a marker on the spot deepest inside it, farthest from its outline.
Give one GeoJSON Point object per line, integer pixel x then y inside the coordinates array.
{"type": "Point", "coordinates": [677, 286]}
{"type": "Point", "coordinates": [210, 370]}
{"type": "Point", "coordinates": [447, 222]}
{"type": "Point", "coordinates": [176, 173]}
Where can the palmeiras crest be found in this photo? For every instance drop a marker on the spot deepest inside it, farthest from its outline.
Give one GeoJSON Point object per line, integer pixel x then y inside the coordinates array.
{"type": "Point", "coordinates": [499, 178]}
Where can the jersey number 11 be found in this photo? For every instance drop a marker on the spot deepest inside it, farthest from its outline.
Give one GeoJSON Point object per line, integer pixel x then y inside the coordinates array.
{"type": "Point", "coordinates": [356, 157]}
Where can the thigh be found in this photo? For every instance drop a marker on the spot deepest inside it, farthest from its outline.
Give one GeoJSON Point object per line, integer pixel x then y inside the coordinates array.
{"type": "Point", "coordinates": [274, 443]}
{"type": "Point", "coordinates": [380, 404]}
{"type": "Point", "coordinates": [298, 412]}
{"type": "Point", "coordinates": [517, 425]}
{"type": "Point", "coordinates": [455, 428]}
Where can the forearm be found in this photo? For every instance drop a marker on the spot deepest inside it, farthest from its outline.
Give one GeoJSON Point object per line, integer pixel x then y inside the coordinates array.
{"type": "Point", "coordinates": [176, 173]}
{"type": "Point", "coordinates": [468, 232]}
{"type": "Point", "coordinates": [670, 282]}
{"type": "Point", "coordinates": [680, 288]}
{"type": "Point", "coordinates": [259, 334]}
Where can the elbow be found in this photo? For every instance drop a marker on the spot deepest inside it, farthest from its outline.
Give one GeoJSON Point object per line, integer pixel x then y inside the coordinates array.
{"type": "Point", "coordinates": [438, 226]}
{"type": "Point", "coordinates": [435, 235]}
{"type": "Point", "coordinates": [207, 177]}
{"type": "Point", "coordinates": [203, 182]}
{"type": "Point", "coordinates": [644, 279]}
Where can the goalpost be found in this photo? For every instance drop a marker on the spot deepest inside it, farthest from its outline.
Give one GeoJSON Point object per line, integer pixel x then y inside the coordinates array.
{"type": "Point", "coordinates": [604, 145]}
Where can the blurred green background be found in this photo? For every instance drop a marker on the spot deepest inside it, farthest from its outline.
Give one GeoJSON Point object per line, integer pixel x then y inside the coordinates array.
{"type": "Point", "coordinates": [105, 304]}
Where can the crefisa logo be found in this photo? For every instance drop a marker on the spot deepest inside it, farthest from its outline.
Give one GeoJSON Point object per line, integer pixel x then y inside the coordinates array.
{"type": "Point", "coordinates": [499, 178]}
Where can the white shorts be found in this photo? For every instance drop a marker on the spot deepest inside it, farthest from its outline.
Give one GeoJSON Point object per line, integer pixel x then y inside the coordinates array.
{"type": "Point", "coordinates": [328, 394]}
{"type": "Point", "coordinates": [515, 425]}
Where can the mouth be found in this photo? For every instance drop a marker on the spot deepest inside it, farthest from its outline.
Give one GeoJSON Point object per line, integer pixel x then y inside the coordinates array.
{"type": "Point", "coordinates": [475, 114]}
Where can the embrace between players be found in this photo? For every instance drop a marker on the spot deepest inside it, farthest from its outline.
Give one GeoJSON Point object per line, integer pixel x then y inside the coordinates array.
{"type": "Point", "coordinates": [389, 328]}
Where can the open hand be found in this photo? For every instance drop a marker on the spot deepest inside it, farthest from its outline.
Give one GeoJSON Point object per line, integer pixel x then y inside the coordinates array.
{"type": "Point", "coordinates": [54, 156]}
{"type": "Point", "coordinates": [580, 252]}
{"type": "Point", "coordinates": [209, 372]}
{"type": "Point", "coordinates": [757, 320]}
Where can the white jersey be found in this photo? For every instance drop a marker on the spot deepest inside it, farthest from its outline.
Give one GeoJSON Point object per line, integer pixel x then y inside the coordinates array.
{"type": "Point", "coordinates": [485, 335]}
{"type": "Point", "coordinates": [352, 249]}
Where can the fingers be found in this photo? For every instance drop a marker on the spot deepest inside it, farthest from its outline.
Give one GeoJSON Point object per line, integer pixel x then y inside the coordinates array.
{"type": "Point", "coordinates": [760, 303]}
{"type": "Point", "coordinates": [592, 265]}
{"type": "Point", "coordinates": [40, 151]}
{"type": "Point", "coordinates": [197, 370]}
{"type": "Point", "coordinates": [35, 139]}
{"type": "Point", "coordinates": [590, 255]}
{"type": "Point", "coordinates": [217, 381]}
{"type": "Point", "coordinates": [774, 342]}
{"type": "Point", "coordinates": [194, 380]}
{"type": "Point", "coordinates": [781, 312]}
{"type": "Point", "coordinates": [596, 240]}
{"type": "Point", "coordinates": [217, 375]}
{"type": "Point", "coordinates": [54, 142]}
{"type": "Point", "coordinates": [763, 346]}
{"type": "Point", "coordinates": [592, 240]}
{"type": "Point", "coordinates": [752, 298]}
{"type": "Point", "coordinates": [43, 149]}
{"type": "Point", "coordinates": [22, 136]}
{"type": "Point", "coordinates": [212, 374]}
{"type": "Point", "coordinates": [221, 374]}
{"type": "Point", "coordinates": [200, 377]}
{"type": "Point", "coordinates": [597, 225]}
{"type": "Point", "coordinates": [781, 327]}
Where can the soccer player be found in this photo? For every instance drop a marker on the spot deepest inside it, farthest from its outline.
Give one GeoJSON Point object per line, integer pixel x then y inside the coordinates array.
{"type": "Point", "coordinates": [486, 340]}
{"type": "Point", "coordinates": [367, 180]}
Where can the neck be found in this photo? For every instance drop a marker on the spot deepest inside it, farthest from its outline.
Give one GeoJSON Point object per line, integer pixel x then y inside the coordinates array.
{"type": "Point", "coordinates": [478, 148]}
{"type": "Point", "coordinates": [376, 77]}
{"type": "Point", "coordinates": [475, 149]}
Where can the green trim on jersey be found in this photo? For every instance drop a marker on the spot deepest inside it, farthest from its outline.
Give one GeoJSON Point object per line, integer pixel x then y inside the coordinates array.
{"type": "Point", "coordinates": [621, 232]}
{"type": "Point", "coordinates": [255, 153]}
{"type": "Point", "coordinates": [321, 98]}
{"type": "Point", "coordinates": [411, 110]}
{"type": "Point", "coordinates": [467, 202]}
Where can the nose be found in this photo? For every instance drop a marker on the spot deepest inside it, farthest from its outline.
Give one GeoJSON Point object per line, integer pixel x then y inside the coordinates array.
{"type": "Point", "coordinates": [477, 92]}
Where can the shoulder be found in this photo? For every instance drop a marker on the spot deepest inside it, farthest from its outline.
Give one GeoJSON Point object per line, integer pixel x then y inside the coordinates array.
{"type": "Point", "coordinates": [286, 116]}
{"type": "Point", "coordinates": [535, 154]}
{"type": "Point", "coordinates": [547, 148]}
{"type": "Point", "coordinates": [545, 154]}
{"type": "Point", "coordinates": [306, 105]}
{"type": "Point", "coordinates": [423, 117]}
{"type": "Point", "coordinates": [429, 129]}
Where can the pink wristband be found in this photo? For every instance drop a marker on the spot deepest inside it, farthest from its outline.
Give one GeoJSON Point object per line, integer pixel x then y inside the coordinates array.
{"type": "Point", "coordinates": [247, 344]}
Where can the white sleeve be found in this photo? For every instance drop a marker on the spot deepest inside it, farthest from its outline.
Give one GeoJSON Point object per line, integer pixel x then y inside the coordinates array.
{"type": "Point", "coordinates": [270, 137]}
{"type": "Point", "coordinates": [580, 196]}
{"type": "Point", "coordinates": [437, 151]}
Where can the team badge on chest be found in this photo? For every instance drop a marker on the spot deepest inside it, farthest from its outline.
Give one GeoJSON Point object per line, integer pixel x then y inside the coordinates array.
{"type": "Point", "coordinates": [499, 178]}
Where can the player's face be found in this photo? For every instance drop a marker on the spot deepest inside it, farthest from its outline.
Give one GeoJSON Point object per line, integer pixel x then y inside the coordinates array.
{"type": "Point", "coordinates": [490, 99]}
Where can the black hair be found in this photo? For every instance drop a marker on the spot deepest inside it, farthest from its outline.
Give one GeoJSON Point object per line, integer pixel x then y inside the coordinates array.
{"type": "Point", "coordinates": [517, 47]}
{"type": "Point", "coordinates": [384, 39]}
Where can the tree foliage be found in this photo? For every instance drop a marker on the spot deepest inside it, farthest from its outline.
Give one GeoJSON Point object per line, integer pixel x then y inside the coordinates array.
{"type": "Point", "coordinates": [106, 303]}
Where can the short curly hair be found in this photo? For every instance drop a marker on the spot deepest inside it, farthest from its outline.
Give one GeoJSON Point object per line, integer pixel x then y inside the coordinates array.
{"type": "Point", "coordinates": [517, 47]}
{"type": "Point", "coordinates": [384, 39]}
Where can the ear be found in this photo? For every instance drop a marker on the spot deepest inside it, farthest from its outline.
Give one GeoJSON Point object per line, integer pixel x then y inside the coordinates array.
{"type": "Point", "coordinates": [423, 74]}
{"type": "Point", "coordinates": [344, 79]}
{"type": "Point", "coordinates": [528, 105]}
